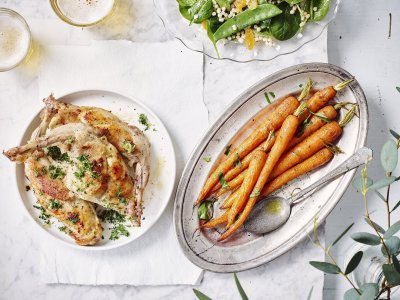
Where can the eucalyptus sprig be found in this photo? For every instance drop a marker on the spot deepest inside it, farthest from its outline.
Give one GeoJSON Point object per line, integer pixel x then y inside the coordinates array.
{"type": "Point", "coordinates": [385, 238]}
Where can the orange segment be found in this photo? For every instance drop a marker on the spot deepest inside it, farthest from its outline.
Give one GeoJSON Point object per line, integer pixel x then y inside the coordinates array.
{"type": "Point", "coordinates": [252, 4]}
{"type": "Point", "coordinates": [239, 5]}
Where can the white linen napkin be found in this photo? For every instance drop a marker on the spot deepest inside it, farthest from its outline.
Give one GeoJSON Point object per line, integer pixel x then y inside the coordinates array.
{"type": "Point", "coordinates": [168, 78]}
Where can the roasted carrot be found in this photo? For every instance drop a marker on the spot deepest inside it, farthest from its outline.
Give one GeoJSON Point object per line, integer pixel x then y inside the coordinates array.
{"type": "Point", "coordinates": [318, 159]}
{"type": "Point", "coordinates": [230, 199]}
{"type": "Point", "coordinates": [216, 221]}
{"type": "Point", "coordinates": [315, 142]}
{"type": "Point", "coordinates": [235, 176]}
{"type": "Point", "coordinates": [234, 183]}
{"type": "Point", "coordinates": [272, 122]}
{"type": "Point", "coordinates": [252, 175]}
{"type": "Point", "coordinates": [283, 139]}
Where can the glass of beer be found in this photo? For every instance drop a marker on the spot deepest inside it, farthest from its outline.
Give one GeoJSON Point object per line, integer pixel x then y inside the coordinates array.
{"type": "Point", "coordinates": [15, 39]}
{"type": "Point", "coordinates": [82, 13]}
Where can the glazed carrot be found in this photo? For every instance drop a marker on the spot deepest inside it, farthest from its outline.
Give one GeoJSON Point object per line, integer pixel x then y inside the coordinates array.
{"type": "Point", "coordinates": [229, 200]}
{"type": "Point", "coordinates": [272, 122]}
{"type": "Point", "coordinates": [315, 142]}
{"type": "Point", "coordinates": [283, 139]}
{"type": "Point", "coordinates": [256, 165]}
{"type": "Point", "coordinates": [217, 221]}
{"type": "Point", "coordinates": [318, 159]}
{"type": "Point", "coordinates": [234, 183]}
{"type": "Point", "coordinates": [314, 123]}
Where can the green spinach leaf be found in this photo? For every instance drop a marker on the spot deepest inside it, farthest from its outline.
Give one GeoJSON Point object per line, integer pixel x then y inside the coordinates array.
{"type": "Point", "coordinates": [285, 25]}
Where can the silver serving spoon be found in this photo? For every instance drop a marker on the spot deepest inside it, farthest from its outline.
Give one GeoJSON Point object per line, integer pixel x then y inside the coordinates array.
{"type": "Point", "coordinates": [272, 212]}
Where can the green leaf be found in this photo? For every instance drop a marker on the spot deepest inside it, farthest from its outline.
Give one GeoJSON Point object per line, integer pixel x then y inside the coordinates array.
{"type": "Point", "coordinates": [375, 225]}
{"type": "Point", "coordinates": [222, 181]}
{"type": "Point", "coordinates": [396, 206]}
{"type": "Point", "coordinates": [228, 149]}
{"type": "Point", "coordinates": [240, 288]}
{"type": "Point", "coordinates": [392, 230]}
{"type": "Point", "coordinates": [354, 262]}
{"type": "Point", "coordinates": [366, 238]}
{"type": "Point", "coordinates": [358, 183]}
{"type": "Point", "coordinates": [186, 3]}
{"type": "Point", "coordinates": [207, 158]}
{"type": "Point", "coordinates": [325, 267]}
{"type": "Point", "coordinates": [389, 156]}
{"type": "Point", "coordinates": [351, 295]}
{"type": "Point", "coordinates": [396, 263]}
{"type": "Point", "coordinates": [382, 183]}
{"type": "Point", "coordinates": [310, 293]}
{"type": "Point", "coordinates": [395, 134]}
{"type": "Point", "coordinates": [200, 295]}
{"type": "Point", "coordinates": [322, 9]}
{"type": "Point", "coordinates": [285, 25]}
{"type": "Point", "coordinates": [293, 2]}
{"type": "Point", "coordinates": [369, 291]}
{"type": "Point", "coordinates": [380, 196]}
{"type": "Point", "coordinates": [267, 98]}
{"type": "Point", "coordinates": [206, 210]}
{"type": "Point", "coordinates": [342, 234]}
{"type": "Point", "coordinates": [398, 89]}
{"type": "Point", "coordinates": [393, 245]}
{"type": "Point", "coordinates": [202, 9]}
{"type": "Point", "coordinates": [391, 274]}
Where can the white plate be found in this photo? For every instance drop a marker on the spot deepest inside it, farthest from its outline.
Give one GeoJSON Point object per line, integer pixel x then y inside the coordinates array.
{"type": "Point", "coordinates": [162, 168]}
{"type": "Point", "coordinates": [247, 251]}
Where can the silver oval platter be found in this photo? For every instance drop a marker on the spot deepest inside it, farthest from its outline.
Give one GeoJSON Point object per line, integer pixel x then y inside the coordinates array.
{"type": "Point", "coordinates": [244, 250]}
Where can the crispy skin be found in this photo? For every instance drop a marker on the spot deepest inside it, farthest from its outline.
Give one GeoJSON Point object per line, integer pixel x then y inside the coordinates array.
{"type": "Point", "coordinates": [94, 171]}
{"type": "Point", "coordinates": [77, 215]}
{"type": "Point", "coordinates": [117, 133]}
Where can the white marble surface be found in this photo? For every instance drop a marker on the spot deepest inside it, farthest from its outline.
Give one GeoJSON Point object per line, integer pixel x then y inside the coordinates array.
{"type": "Point", "coordinates": [357, 41]}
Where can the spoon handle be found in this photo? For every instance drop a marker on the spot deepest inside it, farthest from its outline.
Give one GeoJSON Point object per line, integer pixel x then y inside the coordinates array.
{"type": "Point", "coordinates": [358, 158]}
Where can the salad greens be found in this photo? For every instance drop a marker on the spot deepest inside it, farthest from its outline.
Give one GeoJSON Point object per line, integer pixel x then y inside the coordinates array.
{"type": "Point", "coordinates": [251, 21]}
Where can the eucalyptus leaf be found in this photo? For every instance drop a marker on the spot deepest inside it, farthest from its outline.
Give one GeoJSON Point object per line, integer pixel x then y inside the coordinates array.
{"type": "Point", "coordinates": [396, 206]}
{"type": "Point", "coordinates": [200, 295]}
{"type": "Point", "coordinates": [325, 267]}
{"type": "Point", "coordinates": [389, 156]}
{"type": "Point", "coordinates": [285, 25]}
{"type": "Point", "coordinates": [354, 262]}
{"type": "Point", "coordinates": [358, 183]}
{"type": "Point", "coordinates": [351, 295]}
{"type": "Point", "coordinates": [392, 230]}
{"type": "Point", "coordinates": [396, 263]}
{"type": "Point", "coordinates": [395, 134]}
{"type": "Point", "coordinates": [240, 288]}
{"type": "Point", "coordinates": [392, 244]}
{"type": "Point", "coordinates": [366, 238]}
{"type": "Point", "coordinates": [369, 291]}
{"type": "Point", "coordinates": [380, 196]}
{"type": "Point", "coordinates": [342, 234]}
{"type": "Point", "coordinates": [392, 276]}
{"type": "Point", "coordinates": [375, 225]}
{"type": "Point", "coordinates": [382, 183]}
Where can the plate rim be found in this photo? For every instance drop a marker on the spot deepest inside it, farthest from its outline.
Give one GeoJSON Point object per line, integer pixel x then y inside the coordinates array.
{"type": "Point", "coordinates": [171, 190]}
{"type": "Point", "coordinates": [327, 68]}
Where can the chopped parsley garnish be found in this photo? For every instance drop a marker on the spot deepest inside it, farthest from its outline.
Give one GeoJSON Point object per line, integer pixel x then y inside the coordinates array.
{"type": "Point", "coordinates": [55, 153]}
{"type": "Point", "coordinates": [228, 149]}
{"type": "Point", "coordinates": [83, 166]}
{"type": "Point", "coordinates": [43, 214]}
{"type": "Point", "coordinates": [128, 146]}
{"type": "Point", "coordinates": [222, 181]}
{"type": "Point", "coordinates": [206, 210]}
{"type": "Point", "coordinates": [207, 159]}
{"type": "Point", "coordinates": [116, 219]}
{"type": "Point", "coordinates": [42, 171]}
{"type": "Point", "coordinates": [56, 172]}
{"type": "Point", "coordinates": [303, 127]}
{"type": "Point", "coordinates": [121, 199]}
{"type": "Point", "coordinates": [118, 231]}
{"type": "Point", "coordinates": [73, 217]}
{"type": "Point", "coordinates": [267, 96]}
{"type": "Point", "coordinates": [64, 229]}
{"type": "Point", "coordinates": [237, 162]}
{"type": "Point", "coordinates": [144, 121]}
{"type": "Point", "coordinates": [55, 204]}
